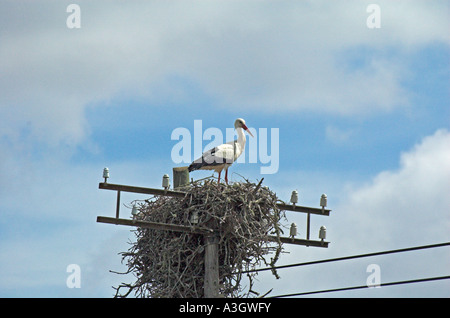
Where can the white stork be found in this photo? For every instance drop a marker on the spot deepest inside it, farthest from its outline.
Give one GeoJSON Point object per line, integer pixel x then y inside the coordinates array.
{"type": "Point", "coordinates": [223, 156]}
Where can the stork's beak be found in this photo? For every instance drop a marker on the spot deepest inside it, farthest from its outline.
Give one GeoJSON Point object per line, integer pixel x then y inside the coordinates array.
{"type": "Point", "coordinates": [246, 129]}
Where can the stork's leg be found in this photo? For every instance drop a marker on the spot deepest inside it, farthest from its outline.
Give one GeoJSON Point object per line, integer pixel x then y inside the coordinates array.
{"type": "Point", "coordinates": [226, 175]}
{"type": "Point", "coordinates": [218, 179]}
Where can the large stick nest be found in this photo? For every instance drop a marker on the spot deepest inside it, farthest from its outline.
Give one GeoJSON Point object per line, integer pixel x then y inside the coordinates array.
{"type": "Point", "coordinates": [171, 264]}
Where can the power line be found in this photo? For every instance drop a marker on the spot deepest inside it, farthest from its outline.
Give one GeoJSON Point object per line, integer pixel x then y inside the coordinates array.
{"type": "Point", "coordinates": [421, 280]}
{"type": "Point", "coordinates": [351, 257]}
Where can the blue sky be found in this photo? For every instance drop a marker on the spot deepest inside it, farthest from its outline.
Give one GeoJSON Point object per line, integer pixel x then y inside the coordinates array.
{"type": "Point", "coordinates": [363, 115]}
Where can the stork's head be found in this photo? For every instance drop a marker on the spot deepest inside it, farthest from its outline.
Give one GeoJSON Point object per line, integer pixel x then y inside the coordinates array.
{"type": "Point", "coordinates": [240, 123]}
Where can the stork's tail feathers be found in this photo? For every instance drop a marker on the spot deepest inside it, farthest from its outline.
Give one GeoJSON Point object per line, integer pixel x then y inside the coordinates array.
{"type": "Point", "coordinates": [203, 165]}
{"type": "Point", "coordinates": [195, 166]}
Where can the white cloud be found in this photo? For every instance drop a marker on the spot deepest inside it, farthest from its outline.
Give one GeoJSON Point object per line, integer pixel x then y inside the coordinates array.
{"type": "Point", "coordinates": [409, 205]}
{"type": "Point", "coordinates": [398, 208]}
{"type": "Point", "coordinates": [49, 208]}
{"type": "Point", "coordinates": [338, 135]}
{"type": "Point", "coordinates": [243, 53]}
{"type": "Point", "coordinates": [34, 264]}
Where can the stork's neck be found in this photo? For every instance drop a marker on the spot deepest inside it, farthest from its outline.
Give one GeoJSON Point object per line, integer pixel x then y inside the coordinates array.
{"type": "Point", "coordinates": [241, 137]}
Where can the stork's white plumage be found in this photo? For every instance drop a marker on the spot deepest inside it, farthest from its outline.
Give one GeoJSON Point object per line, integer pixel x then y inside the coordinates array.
{"type": "Point", "coordinates": [223, 156]}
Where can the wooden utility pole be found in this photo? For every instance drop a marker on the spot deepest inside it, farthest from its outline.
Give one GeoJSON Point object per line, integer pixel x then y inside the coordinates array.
{"type": "Point", "coordinates": [180, 177]}
{"type": "Point", "coordinates": [211, 266]}
{"type": "Point", "coordinates": [211, 240]}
